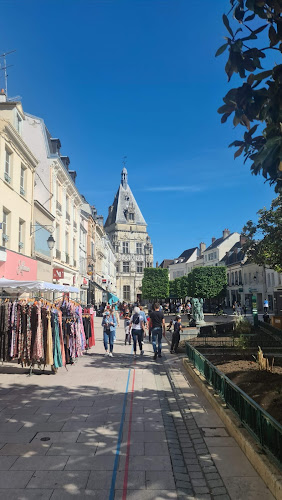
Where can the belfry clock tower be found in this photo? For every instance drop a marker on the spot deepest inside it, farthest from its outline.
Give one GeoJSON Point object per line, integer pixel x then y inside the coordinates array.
{"type": "Point", "coordinates": [127, 230]}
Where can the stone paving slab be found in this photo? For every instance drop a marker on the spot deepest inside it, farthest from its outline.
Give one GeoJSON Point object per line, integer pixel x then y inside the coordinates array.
{"type": "Point", "coordinates": [60, 433]}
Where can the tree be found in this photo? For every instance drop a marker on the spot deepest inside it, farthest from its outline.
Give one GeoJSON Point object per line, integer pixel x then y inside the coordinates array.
{"type": "Point", "coordinates": [178, 288]}
{"type": "Point", "coordinates": [207, 282]}
{"type": "Point", "coordinates": [155, 284]}
{"type": "Point", "coordinates": [259, 100]}
{"type": "Point", "coordinates": [268, 250]}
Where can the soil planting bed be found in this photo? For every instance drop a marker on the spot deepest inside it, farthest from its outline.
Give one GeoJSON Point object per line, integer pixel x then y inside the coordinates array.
{"type": "Point", "coordinates": [264, 387]}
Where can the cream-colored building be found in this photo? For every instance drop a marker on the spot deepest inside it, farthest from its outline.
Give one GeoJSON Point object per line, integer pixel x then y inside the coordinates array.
{"type": "Point", "coordinates": [56, 192]}
{"type": "Point", "coordinates": [127, 230]}
{"type": "Point", "coordinates": [17, 168]}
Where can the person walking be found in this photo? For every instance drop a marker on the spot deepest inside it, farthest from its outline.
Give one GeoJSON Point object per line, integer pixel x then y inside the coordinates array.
{"type": "Point", "coordinates": [108, 333]}
{"type": "Point", "coordinates": [113, 322]}
{"type": "Point", "coordinates": [137, 328]}
{"type": "Point", "coordinates": [143, 315]}
{"type": "Point", "coordinates": [126, 317]}
{"type": "Point", "coordinates": [157, 325]}
{"type": "Point", "coordinates": [176, 335]}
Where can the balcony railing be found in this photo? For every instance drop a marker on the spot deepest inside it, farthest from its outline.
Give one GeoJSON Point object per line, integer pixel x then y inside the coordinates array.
{"type": "Point", "coordinates": [67, 216]}
{"type": "Point", "coordinates": [58, 254]}
{"type": "Point", "coordinates": [58, 206]}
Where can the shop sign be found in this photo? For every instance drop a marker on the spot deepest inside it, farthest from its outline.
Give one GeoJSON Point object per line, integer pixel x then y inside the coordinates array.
{"type": "Point", "coordinates": [18, 267]}
{"type": "Point", "coordinates": [104, 281]}
{"type": "Point", "coordinates": [58, 273]}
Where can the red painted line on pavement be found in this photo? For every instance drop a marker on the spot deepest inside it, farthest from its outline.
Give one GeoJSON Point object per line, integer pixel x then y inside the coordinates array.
{"type": "Point", "coordinates": [125, 480]}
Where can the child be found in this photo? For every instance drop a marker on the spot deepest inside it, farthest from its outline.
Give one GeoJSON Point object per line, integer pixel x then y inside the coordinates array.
{"type": "Point", "coordinates": [170, 325]}
{"type": "Point", "coordinates": [126, 327]}
{"type": "Point", "coordinates": [176, 335]}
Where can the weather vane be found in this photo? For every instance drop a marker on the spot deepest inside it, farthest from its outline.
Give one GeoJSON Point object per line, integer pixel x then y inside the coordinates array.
{"type": "Point", "coordinates": [124, 160]}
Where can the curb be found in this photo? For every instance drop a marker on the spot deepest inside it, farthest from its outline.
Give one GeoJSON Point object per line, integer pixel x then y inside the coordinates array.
{"type": "Point", "coordinates": [269, 473]}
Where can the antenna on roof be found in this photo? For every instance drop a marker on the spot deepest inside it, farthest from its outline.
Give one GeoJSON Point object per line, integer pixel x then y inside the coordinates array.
{"type": "Point", "coordinates": [4, 68]}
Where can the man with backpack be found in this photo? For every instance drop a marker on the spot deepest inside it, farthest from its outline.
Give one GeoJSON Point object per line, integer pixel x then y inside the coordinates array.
{"type": "Point", "coordinates": [137, 328]}
{"type": "Point", "coordinates": [157, 326]}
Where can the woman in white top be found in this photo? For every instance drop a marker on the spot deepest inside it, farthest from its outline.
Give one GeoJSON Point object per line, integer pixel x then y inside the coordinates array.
{"type": "Point", "coordinates": [137, 328]}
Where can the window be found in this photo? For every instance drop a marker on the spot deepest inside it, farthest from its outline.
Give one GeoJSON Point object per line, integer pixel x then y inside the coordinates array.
{"type": "Point", "coordinates": [131, 216]}
{"type": "Point", "coordinates": [5, 227]}
{"type": "Point", "coordinates": [272, 279]}
{"type": "Point", "coordinates": [117, 267]}
{"type": "Point", "coordinates": [126, 292]}
{"type": "Point", "coordinates": [139, 267]}
{"type": "Point", "coordinates": [74, 252]}
{"type": "Point", "coordinates": [279, 279]}
{"type": "Point", "coordinates": [232, 278]}
{"type": "Point", "coordinates": [228, 279]}
{"type": "Point", "coordinates": [240, 278]}
{"type": "Point", "coordinates": [92, 250]}
{"type": "Point", "coordinates": [125, 267]}
{"type": "Point", "coordinates": [139, 248]}
{"type": "Point", "coordinates": [67, 247]}
{"type": "Point", "coordinates": [19, 124]}
{"type": "Point", "coordinates": [22, 181]}
{"type": "Point", "coordinates": [7, 173]}
{"type": "Point", "coordinates": [125, 247]}
{"type": "Point", "coordinates": [21, 236]}
{"type": "Point", "coordinates": [236, 278]}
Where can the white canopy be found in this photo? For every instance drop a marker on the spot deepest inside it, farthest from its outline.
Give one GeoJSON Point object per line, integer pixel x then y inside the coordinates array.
{"type": "Point", "coordinates": [26, 286]}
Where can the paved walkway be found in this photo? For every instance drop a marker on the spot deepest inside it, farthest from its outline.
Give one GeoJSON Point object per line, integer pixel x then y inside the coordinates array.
{"type": "Point", "coordinates": [115, 428]}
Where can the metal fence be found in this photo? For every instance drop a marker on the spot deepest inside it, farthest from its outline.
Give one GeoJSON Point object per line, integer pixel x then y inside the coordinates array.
{"type": "Point", "coordinates": [263, 427]}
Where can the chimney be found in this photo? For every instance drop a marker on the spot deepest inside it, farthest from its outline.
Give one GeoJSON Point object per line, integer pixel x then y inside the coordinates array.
{"type": "Point", "coordinates": [202, 248]}
{"type": "Point", "coordinates": [100, 220]}
{"type": "Point", "coordinates": [157, 264]}
{"type": "Point", "coordinates": [213, 239]}
{"type": "Point", "coordinates": [73, 175]}
{"type": "Point", "coordinates": [2, 96]}
{"type": "Point", "coordinates": [243, 240]}
{"type": "Point", "coordinates": [225, 233]}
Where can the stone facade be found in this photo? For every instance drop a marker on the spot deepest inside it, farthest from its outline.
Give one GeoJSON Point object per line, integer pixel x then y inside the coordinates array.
{"type": "Point", "coordinates": [127, 231]}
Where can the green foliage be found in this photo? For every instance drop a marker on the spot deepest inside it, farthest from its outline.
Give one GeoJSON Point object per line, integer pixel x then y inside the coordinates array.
{"type": "Point", "coordinates": [242, 326]}
{"type": "Point", "coordinates": [258, 100]}
{"type": "Point", "coordinates": [266, 251]}
{"type": "Point", "coordinates": [207, 282]}
{"type": "Point", "coordinates": [241, 342]}
{"type": "Point", "coordinates": [155, 284]}
{"type": "Point", "coordinates": [178, 288]}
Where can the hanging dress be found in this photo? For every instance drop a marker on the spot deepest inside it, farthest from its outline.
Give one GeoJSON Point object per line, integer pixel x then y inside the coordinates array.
{"type": "Point", "coordinates": [49, 351]}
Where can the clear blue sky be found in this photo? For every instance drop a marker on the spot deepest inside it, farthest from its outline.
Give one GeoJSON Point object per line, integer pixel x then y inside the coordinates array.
{"type": "Point", "coordinates": [137, 78]}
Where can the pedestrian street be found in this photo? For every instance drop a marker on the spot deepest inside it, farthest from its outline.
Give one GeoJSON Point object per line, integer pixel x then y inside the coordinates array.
{"type": "Point", "coordinates": [116, 428]}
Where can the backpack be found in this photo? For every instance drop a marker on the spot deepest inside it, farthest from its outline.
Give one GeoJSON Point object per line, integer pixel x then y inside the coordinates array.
{"type": "Point", "coordinates": [135, 319]}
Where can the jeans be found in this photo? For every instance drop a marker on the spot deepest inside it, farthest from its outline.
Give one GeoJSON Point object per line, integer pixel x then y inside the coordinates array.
{"type": "Point", "coordinates": [109, 338]}
{"type": "Point", "coordinates": [137, 335]}
{"type": "Point", "coordinates": [157, 333]}
{"type": "Point", "coordinates": [175, 341]}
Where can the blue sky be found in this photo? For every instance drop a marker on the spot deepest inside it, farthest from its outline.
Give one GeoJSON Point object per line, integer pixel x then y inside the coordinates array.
{"type": "Point", "coordinates": [137, 78]}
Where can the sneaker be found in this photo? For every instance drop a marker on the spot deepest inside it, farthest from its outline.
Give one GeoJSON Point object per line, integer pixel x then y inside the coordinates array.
{"type": "Point", "coordinates": [106, 353]}
{"type": "Point", "coordinates": [159, 355]}
{"type": "Point", "coordinates": [111, 354]}
{"type": "Point", "coordinates": [155, 356]}
{"type": "Point", "coordinates": [114, 340]}
{"type": "Point", "coordinates": [135, 355]}
{"type": "Point", "coordinates": [171, 352]}
{"type": "Point", "coordinates": [141, 352]}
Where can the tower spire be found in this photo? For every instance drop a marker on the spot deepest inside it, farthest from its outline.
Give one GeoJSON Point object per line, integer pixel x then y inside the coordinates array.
{"type": "Point", "coordinates": [124, 174]}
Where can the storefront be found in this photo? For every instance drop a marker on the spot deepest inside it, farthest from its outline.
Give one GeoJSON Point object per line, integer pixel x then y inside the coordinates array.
{"type": "Point", "coordinates": [18, 267]}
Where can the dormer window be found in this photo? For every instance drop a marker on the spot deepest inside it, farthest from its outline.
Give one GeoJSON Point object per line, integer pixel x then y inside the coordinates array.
{"type": "Point", "coordinates": [19, 124]}
{"type": "Point", "coordinates": [131, 216]}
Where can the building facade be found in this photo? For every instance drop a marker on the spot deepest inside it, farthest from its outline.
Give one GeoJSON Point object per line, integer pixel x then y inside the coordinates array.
{"type": "Point", "coordinates": [56, 193]}
{"type": "Point", "coordinates": [127, 231]}
{"type": "Point", "coordinates": [17, 170]}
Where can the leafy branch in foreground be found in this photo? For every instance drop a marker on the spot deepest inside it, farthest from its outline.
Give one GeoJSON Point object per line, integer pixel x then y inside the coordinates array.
{"type": "Point", "coordinates": [268, 250]}
{"type": "Point", "coordinates": [259, 99]}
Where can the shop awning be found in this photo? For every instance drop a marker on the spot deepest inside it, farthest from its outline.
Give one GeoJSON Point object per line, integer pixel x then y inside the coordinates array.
{"type": "Point", "coordinates": [26, 286]}
{"type": "Point", "coordinates": [112, 298]}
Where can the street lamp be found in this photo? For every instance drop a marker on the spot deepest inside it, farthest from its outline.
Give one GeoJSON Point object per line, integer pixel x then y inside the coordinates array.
{"type": "Point", "coordinates": [254, 304]}
{"type": "Point", "coordinates": [51, 242]}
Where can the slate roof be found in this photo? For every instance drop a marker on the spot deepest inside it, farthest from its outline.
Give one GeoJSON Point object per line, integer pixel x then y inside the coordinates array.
{"type": "Point", "coordinates": [187, 254]}
{"type": "Point", "coordinates": [234, 255]}
{"type": "Point", "coordinates": [123, 201]}
{"type": "Point", "coordinates": [165, 263]}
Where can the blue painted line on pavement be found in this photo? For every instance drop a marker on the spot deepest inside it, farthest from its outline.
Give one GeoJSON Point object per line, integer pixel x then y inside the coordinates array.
{"type": "Point", "coordinates": [114, 476]}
